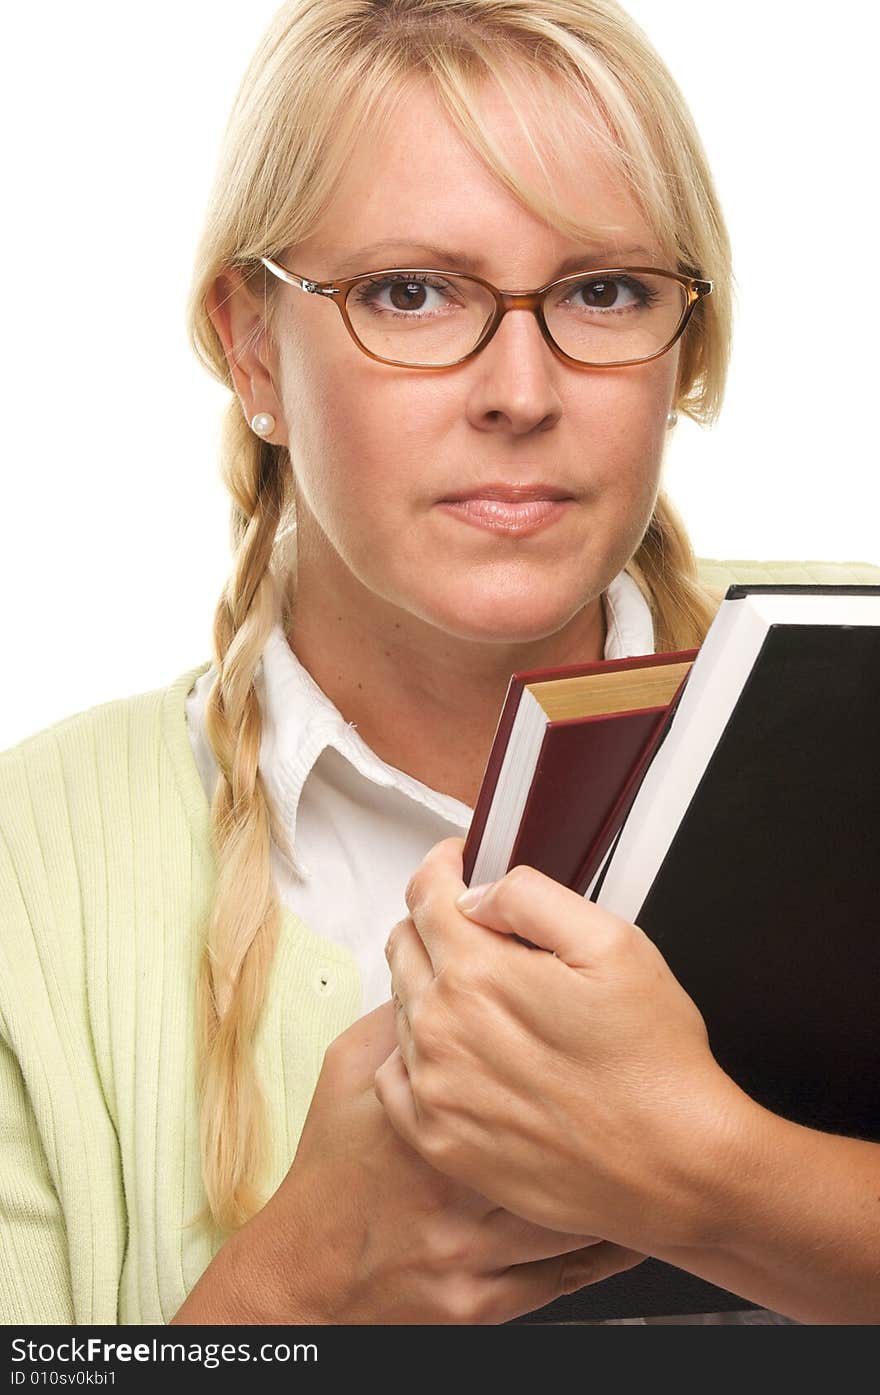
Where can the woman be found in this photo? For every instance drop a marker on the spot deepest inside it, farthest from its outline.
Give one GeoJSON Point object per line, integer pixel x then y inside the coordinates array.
{"type": "Point", "coordinates": [198, 883]}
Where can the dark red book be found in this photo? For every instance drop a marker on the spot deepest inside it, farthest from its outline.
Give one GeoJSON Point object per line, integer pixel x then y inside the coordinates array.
{"type": "Point", "coordinates": [571, 747]}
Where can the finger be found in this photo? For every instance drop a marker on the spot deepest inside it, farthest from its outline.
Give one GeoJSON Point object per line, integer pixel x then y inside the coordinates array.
{"type": "Point", "coordinates": [525, 1287]}
{"type": "Point", "coordinates": [597, 1262]}
{"type": "Point", "coordinates": [430, 897]}
{"type": "Point", "coordinates": [527, 903]}
{"type": "Point", "coordinates": [411, 974]}
{"type": "Point", "coordinates": [448, 853]}
{"type": "Point", "coordinates": [393, 1091]}
{"type": "Point", "coordinates": [513, 1240]}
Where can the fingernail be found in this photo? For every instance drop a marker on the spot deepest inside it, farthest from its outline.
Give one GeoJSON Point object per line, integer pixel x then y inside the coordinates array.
{"type": "Point", "coordinates": [469, 900]}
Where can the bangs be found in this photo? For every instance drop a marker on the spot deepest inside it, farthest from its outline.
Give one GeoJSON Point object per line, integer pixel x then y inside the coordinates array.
{"type": "Point", "coordinates": [563, 119]}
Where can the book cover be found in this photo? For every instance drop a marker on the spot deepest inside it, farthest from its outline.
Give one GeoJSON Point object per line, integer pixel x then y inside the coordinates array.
{"type": "Point", "coordinates": [766, 906]}
{"type": "Point", "coordinates": [585, 776]}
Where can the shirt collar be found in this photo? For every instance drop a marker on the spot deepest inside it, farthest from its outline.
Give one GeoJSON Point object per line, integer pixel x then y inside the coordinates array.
{"type": "Point", "coordinates": [300, 721]}
{"type": "Point", "coordinates": [629, 623]}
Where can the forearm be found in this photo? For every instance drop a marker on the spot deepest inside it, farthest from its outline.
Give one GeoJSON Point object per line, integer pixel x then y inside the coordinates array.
{"type": "Point", "coordinates": [791, 1219]}
{"type": "Point", "coordinates": [249, 1282]}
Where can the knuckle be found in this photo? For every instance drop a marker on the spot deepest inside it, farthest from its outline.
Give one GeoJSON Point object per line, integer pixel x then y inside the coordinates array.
{"type": "Point", "coordinates": [437, 1145]}
{"type": "Point", "coordinates": [430, 1093]}
{"type": "Point", "coordinates": [400, 1011]}
{"type": "Point", "coordinates": [465, 981]}
{"type": "Point", "coordinates": [435, 1140]}
{"type": "Point", "coordinates": [456, 980]}
{"type": "Point", "coordinates": [515, 884]}
{"type": "Point", "coordinates": [447, 1248]}
{"type": "Point", "coordinates": [427, 1033]}
{"type": "Point", "coordinates": [620, 940]}
{"type": "Point", "coordinates": [393, 940]}
{"type": "Point", "coordinates": [465, 1301]}
{"type": "Point", "coordinates": [416, 889]}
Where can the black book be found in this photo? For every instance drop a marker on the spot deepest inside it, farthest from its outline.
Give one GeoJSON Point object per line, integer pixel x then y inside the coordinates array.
{"type": "Point", "coordinates": [750, 857]}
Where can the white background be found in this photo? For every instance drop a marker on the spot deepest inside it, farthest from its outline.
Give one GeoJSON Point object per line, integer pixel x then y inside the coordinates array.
{"type": "Point", "coordinates": [115, 534]}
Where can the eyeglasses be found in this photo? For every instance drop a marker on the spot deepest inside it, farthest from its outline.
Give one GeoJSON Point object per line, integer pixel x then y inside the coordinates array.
{"type": "Point", "coordinates": [417, 318]}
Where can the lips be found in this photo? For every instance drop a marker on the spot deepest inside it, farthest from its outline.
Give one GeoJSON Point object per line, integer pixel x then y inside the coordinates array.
{"type": "Point", "coordinates": [508, 493]}
{"type": "Point", "coordinates": [515, 519]}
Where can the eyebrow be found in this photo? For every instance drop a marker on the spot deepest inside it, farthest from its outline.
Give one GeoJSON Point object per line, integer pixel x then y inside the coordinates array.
{"type": "Point", "coordinates": [443, 258]}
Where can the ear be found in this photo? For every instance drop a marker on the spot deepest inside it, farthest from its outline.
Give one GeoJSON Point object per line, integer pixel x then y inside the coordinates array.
{"type": "Point", "coordinates": [239, 321]}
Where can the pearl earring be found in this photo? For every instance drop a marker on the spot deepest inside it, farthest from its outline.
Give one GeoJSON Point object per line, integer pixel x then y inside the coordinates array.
{"type": "Point", "coordinates": [263, 424]}
{"type": "Point", "coordinates": [671, 419]}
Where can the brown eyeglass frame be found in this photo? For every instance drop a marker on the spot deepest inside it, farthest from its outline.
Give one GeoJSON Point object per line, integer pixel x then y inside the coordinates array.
{"type": "Point", "coordinates": [504, 301]}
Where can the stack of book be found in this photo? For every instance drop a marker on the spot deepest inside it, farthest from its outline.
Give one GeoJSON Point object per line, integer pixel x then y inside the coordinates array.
{"type": "Point", "coordinates": [726, 801]}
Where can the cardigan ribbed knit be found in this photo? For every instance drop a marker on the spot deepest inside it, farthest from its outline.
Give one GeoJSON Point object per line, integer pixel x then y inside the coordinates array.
{"type": "Point", "coordinates": [106, 879]}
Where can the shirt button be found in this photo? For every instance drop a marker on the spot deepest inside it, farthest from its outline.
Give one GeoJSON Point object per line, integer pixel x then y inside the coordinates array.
{"type": "Point", "coordinates": [323, 983]}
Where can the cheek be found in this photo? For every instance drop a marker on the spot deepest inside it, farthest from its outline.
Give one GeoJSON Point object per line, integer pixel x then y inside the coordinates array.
{"type": "Point", "coordinates": [326, 404]}
{"type": "Point", "coordinates": [360, 457]}
{"type": "Point", "coordinates": [624, 428]}
{"type": "Point", "coordinates": [624, 459]}
{"type": "Point", "coordinates": [369, 434]}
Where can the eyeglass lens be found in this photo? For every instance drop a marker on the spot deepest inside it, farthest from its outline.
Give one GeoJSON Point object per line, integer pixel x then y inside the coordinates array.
{"type": "Point", "coordinates": [421, 318]}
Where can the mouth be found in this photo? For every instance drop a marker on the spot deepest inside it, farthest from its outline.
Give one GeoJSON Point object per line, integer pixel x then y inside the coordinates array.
{"type": "Point", "coordinates": [517, 519]}
{"type": "Point", "coordinates": [505, 493]}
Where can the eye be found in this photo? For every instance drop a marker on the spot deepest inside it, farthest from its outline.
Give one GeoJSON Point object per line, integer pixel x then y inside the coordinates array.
{"type": "Point", "coordinates": [410, 295]}
{"type": "Point", "coordinates": [607, 293]}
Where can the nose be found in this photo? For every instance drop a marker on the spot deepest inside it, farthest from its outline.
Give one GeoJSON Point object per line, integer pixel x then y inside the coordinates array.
{"type": "Point", "coordinates": [514, 384]}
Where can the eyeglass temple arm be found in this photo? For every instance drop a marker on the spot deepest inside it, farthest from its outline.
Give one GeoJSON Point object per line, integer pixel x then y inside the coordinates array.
{"type": "Point", "coordinates": [299, 282]}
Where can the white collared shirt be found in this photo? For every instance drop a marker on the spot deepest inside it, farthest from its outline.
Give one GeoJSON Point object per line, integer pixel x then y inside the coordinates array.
{"type": "Point", "coordinates": [358, 827]}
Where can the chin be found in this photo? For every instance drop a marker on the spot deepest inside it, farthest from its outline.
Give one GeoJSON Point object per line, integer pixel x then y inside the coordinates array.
{"type": "Point", "coordinates": [509, 621]}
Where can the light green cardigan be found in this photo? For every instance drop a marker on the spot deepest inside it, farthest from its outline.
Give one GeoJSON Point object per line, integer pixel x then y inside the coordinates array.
{"type": "Point", "coordinates": [106, 878]}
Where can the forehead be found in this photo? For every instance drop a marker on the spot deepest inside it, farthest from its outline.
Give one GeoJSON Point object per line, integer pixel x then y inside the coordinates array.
{"type": "Point", "coordinates": [417, 179]}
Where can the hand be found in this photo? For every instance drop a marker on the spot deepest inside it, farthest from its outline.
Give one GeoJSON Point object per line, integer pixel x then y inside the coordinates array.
{"type": "Point", "coordinates": [575, 1087]}
{"type": "Point", "coordinates": [362, 1230]}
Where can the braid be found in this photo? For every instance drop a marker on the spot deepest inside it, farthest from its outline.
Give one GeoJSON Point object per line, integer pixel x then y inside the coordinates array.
{"type": "Point", "coordinates": [665, 569]}
{"type": "Point", "coordinates": [243, 926]}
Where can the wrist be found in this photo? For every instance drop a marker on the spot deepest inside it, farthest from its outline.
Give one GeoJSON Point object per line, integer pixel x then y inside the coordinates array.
{"type": "Point", "coordinates": [785, 1215]}
{"type": "Point", "coordinates": [716, 1163]}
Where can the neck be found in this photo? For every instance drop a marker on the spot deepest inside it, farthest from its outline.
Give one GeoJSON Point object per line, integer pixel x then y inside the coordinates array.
{"type": "Point", "coordinates": [425, 701]}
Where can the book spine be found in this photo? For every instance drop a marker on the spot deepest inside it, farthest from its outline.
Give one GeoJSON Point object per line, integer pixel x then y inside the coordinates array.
{"type": "Point", "coordinates": [616, 819]}
{"type": "Point", "coordinates": [738, 591]}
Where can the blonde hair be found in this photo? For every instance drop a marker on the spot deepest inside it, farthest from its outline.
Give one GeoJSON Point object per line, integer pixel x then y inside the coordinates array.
{"type": "Point", "coordinates": [323, 73]}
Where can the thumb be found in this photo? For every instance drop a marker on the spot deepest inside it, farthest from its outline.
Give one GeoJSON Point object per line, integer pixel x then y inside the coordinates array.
{"type": "Point", "coordinates": [533, 907]}
{"type": "Point", "coordinates": [530, 1286]}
